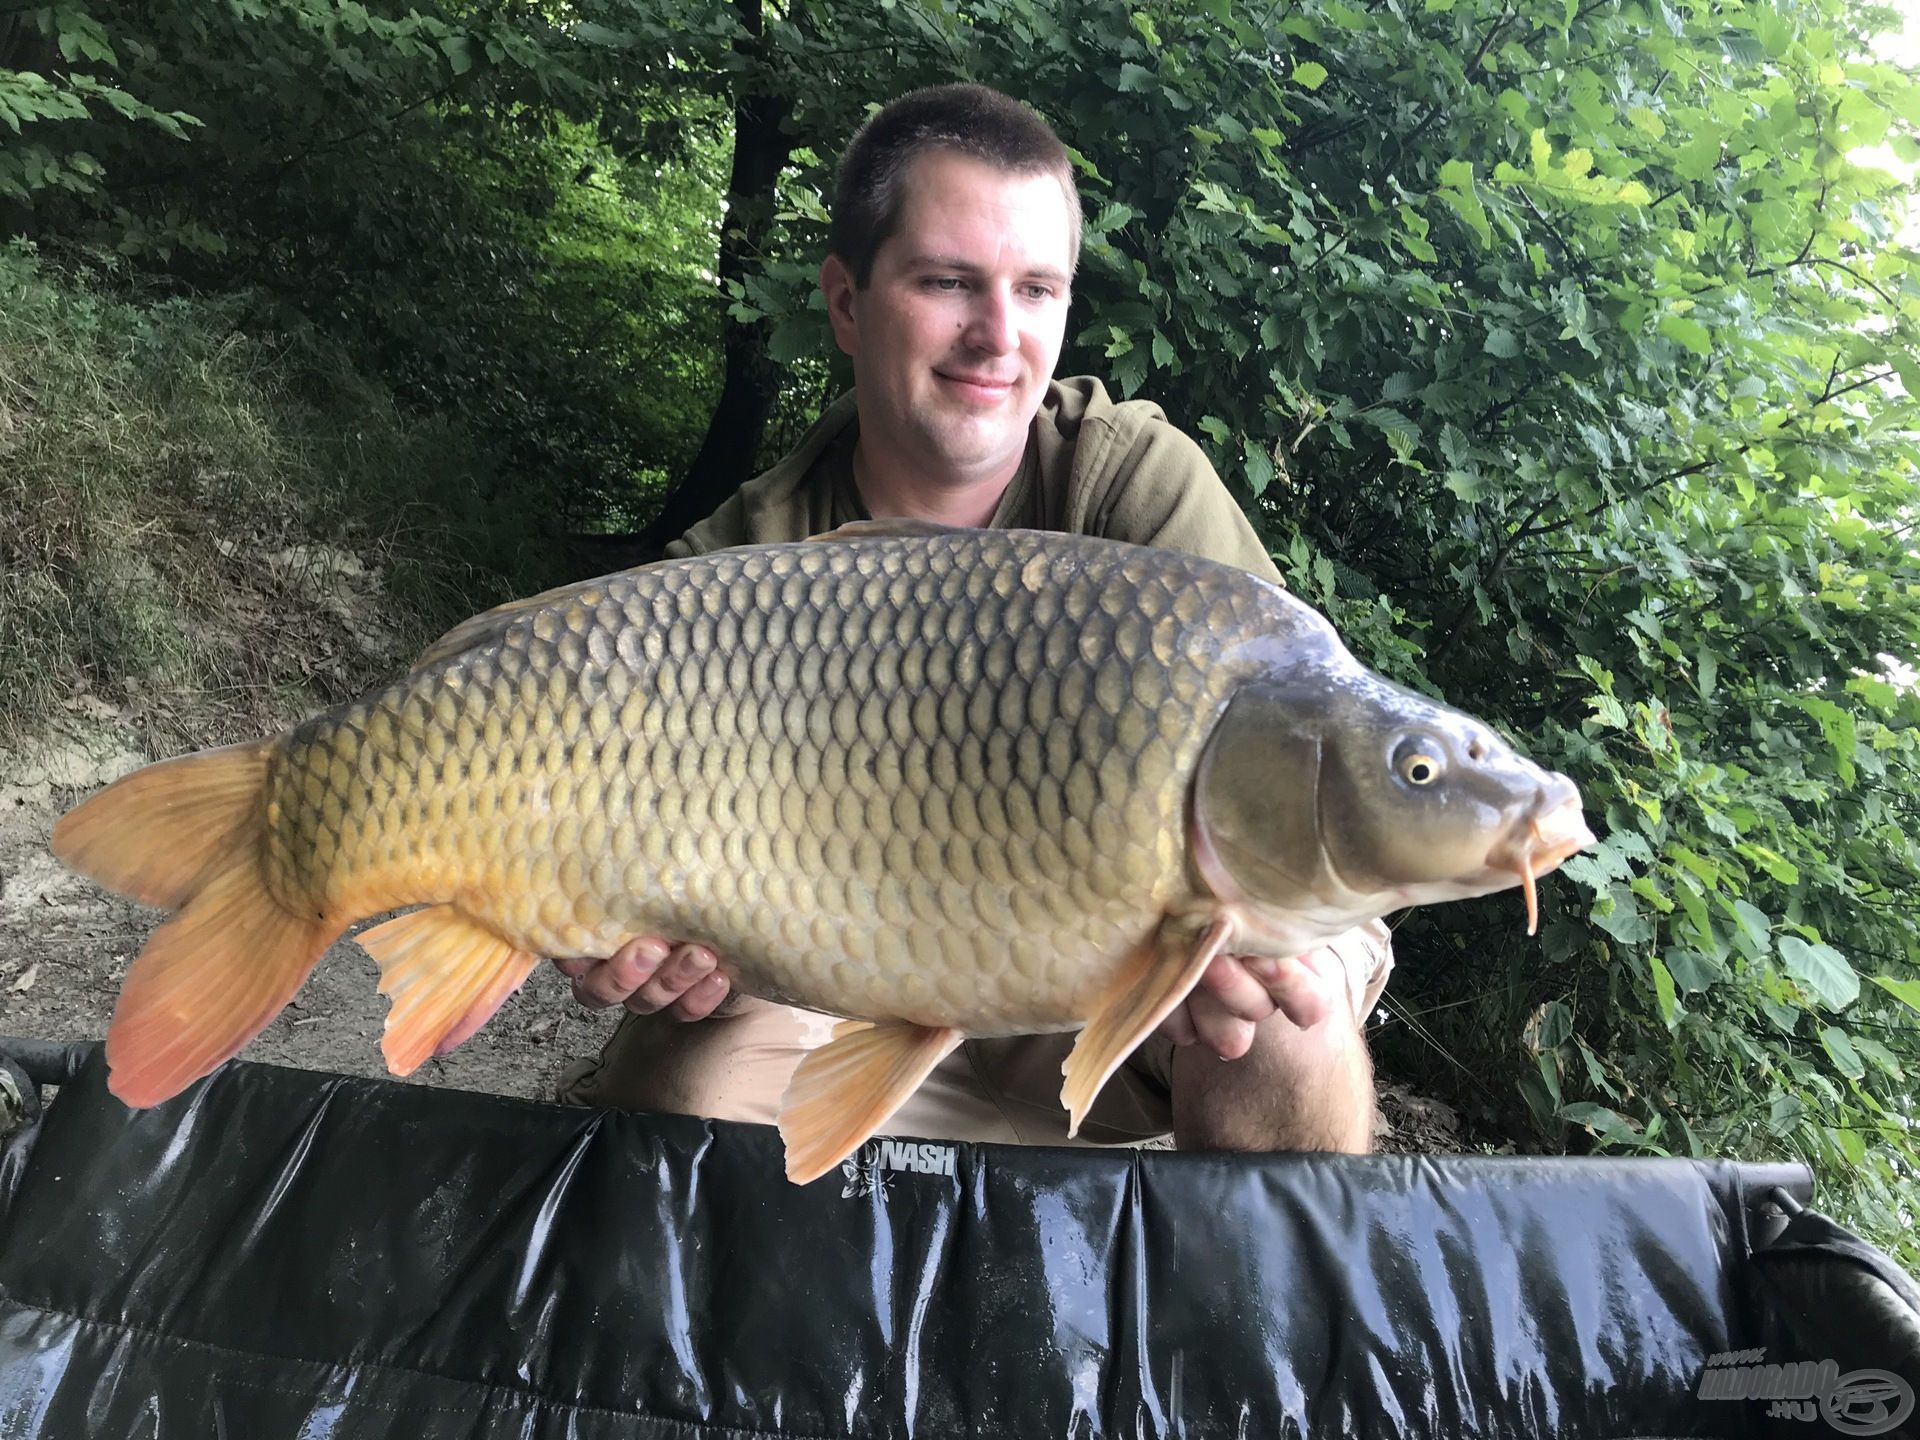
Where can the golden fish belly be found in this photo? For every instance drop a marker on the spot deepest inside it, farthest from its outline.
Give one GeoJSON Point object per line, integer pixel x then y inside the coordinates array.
{"type": "Point", "coordinates": [891, 778]}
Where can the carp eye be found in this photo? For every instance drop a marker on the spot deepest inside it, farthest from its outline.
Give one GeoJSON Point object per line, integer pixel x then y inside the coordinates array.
{"type": "Point", "coordinates": [1419, 768]}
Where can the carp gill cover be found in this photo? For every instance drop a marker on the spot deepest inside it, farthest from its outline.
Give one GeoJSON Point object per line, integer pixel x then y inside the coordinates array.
{"type": "Point", "coordinates": [944, 783]}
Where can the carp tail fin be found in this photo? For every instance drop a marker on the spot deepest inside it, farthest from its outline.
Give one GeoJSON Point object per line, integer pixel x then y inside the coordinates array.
{"type": "Point", "coordinates": [188, 835]}
{"type": "Point", "coordinates": [151, 835]}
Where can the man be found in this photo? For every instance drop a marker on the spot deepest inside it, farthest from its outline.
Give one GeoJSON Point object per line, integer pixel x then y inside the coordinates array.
{"type": "Point", "coordinates": [956, 232]}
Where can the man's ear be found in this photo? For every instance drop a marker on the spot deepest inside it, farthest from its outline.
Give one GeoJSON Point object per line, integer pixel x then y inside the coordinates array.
{"type": "Point", "coordinates": [836, 284]}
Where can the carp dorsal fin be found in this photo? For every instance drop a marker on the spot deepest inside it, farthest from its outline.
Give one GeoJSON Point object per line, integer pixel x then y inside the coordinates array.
{"type": "Point", "coordinates": [847, 1089]}
{"type": "Point", "coordinates": [893, 525]}
{"type": "Point", "coordinates": [1157, 976]}
{"type": "Point", "coordinates": [492, 624]}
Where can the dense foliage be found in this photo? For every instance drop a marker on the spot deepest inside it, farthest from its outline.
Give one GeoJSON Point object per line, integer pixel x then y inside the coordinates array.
{"type": "Point", "coordinates": [1562, 350]}
{"type": "Point", "coordinates": [455, 194]}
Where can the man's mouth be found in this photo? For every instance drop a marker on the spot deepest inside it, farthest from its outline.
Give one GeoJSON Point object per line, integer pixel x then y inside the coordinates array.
{"type": "Point", "coordinates": [977, 387]}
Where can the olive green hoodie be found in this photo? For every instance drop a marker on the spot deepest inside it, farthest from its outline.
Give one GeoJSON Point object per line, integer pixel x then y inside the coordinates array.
{"type": "Point", "coordinates": [1092, 467]}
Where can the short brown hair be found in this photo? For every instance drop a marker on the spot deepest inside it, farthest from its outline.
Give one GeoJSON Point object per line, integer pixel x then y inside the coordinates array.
{"type": "Point", "coordinates": [972, 120]}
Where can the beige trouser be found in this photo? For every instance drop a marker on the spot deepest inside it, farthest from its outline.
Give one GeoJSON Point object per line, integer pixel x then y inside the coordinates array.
{"type": "Point", "coordinates": [736, 1067]}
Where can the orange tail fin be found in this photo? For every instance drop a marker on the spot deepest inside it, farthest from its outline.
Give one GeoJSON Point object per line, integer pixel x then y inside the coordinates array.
{"type": "Point", "coordinates": [188, 835]}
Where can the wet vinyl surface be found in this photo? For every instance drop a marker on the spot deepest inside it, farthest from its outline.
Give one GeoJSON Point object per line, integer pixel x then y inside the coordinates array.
{"type": "Point", "coordinates": [279, 1253]}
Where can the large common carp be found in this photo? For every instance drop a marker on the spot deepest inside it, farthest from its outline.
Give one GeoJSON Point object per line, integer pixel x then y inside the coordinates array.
{"type": "Point", "coordinates": [950, 783]}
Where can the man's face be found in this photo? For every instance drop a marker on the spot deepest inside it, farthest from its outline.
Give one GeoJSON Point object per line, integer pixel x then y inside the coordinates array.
{"type": "Point", "coordinates": [956, 335]}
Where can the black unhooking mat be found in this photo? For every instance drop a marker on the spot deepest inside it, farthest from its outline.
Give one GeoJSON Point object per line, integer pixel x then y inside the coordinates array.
{"type": "Point", "coordinates": [285, 1254]}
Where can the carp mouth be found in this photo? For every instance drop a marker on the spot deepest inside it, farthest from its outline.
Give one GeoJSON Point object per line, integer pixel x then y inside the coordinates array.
{"type": "Point", "coordinates": [1537, 845]}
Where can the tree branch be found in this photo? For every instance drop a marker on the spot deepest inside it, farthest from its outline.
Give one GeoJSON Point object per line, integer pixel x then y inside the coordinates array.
{"type": "Point", "coordinates": [1433, 110]}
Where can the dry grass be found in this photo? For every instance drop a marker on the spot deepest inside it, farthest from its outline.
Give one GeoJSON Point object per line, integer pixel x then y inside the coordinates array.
{"type": "Point", "coordinates": [212, 532]}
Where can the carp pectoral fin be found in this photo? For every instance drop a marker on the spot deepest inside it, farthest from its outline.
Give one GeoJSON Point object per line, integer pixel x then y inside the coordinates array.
{"type": "Point", "coordinates": [446, 974]}
{"type": "Point", "coordinates": [846, 1090]}
{"type": "Point", "coordinates": [1160, 974]}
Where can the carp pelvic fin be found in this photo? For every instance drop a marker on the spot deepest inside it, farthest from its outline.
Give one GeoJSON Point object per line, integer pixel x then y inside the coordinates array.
{"type": "Point", "coordinates": [1160, 974]}
{"type": "Point", "coordinates": [187, 835]}
{"type": "Point", "coordinates": [446, 974]}
{"type": "Point", "coordinates": [844, 1091]}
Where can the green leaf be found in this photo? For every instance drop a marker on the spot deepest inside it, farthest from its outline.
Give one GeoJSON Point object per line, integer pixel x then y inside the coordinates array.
{"type": "Point", "coordinates": [1599, 1120]}
{"type": "Point", "coordinates": [1503, 343]}
{"type": "Point", "coordinates": [1706, 672]}
{"type": "Point", "coordinates": [1776, 865]}
{"type": "Point", "coordinates": [1540, 1102]}
{"type": "Point", "coordinates": [1310, 73]}
{"type": "Point", "coordinates": [1907, 992]}
{"type": "Point", "coordinates": [459, 57]}
{"type": "Point", "coordinates": [1852, 1145]}
{"type": "Point", "coordinates": [1690, 333]}
{"type": "Point", "coordinates": [1878, 1056]}
{"type": "Point", "coordinates": [1618, 913]}
{"type": "Point", "coordinates": [1692, 972]}
{"type": "Point", "coordinates": [792, 341]}
{"type": "Point", "coordinates": [1784, 1113]}
{"type": "Point", "coordinates": [1839, 1048]}
{"type": "Point", "coordinates": [1754, 930]}
{"type": "Point", "coordinates": [1663, 992]}
{"type": "Point", "coordinates": [1822, 969]}
{"type": "Point", "coordinates": [1548, 1070]}
{"type": "Point", "coordinates": [1259, 469]}
{"type": "Point", "coordinates": [1550, 1027]}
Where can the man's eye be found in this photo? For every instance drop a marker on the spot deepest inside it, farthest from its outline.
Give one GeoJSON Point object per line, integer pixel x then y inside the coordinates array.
{"type": "Point", "coordinates": [1039, 292]}
{"type": "Point", "coordinates": [944, 282]}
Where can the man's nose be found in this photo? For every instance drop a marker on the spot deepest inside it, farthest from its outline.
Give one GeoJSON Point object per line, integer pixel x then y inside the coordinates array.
{"type": "Point", "coordinates": [991, 325]}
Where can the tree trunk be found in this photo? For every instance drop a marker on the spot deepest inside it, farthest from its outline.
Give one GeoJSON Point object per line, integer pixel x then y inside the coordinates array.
{"type": "Point", "coordinates": [752, 384]}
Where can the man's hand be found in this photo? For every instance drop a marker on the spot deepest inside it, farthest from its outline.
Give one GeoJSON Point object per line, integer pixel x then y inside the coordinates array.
{"type": "Point", "coordinates": [1238, 992]}
{"type": "Point", "coordinates": [647, 975]}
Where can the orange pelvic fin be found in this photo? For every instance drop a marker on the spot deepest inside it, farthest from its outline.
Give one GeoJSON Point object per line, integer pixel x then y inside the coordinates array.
{"type": "Point", "coordinates": [446, 974]}
{"type": "Point", "coordinates": [151, 835]}
{"type": "Point", "coordinates": [1159, 975]}
{"type": "Point", "coordinates": [187, 834]}
{"type": "Point", "coordinates": [846, 1090]}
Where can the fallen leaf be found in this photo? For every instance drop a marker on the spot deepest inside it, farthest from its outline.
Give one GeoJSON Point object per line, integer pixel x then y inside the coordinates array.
{"type": "Point", "coordinates": [25, 982]}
